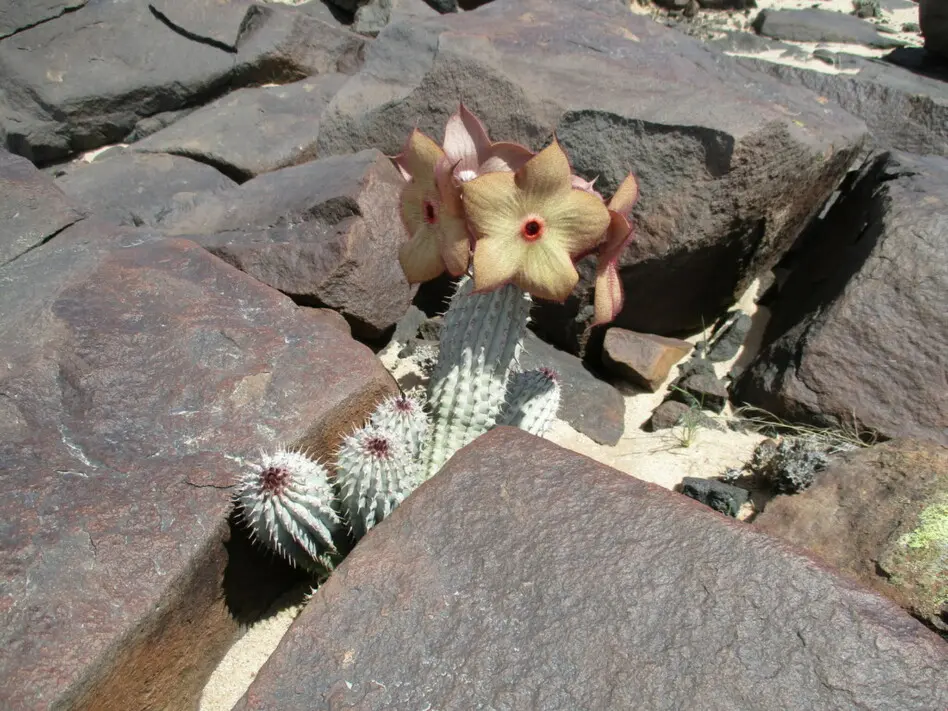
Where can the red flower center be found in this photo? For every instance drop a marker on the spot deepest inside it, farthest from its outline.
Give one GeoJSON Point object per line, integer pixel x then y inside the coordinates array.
{"type": "Point", "coordinates": [430, 213]}
{"type": "Point", "coordinates": [532, 228]}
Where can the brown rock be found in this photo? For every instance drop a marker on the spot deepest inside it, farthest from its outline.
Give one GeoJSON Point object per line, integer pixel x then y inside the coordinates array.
{"type": "Point", "coordinates": [32, 208]}
{"type": "Point", "coordinates": [642, 358]}
{"type": "Point", "coordinates": [860, 514]}
{"type": "Point", "coordinates": [859, 329]}
{"type": "Point", "coordinates": [139, 373]}
{"type": "Point", "coordinates": [525, 576]}
{"type": "Point", "coordinates": [667, 415]}
{"type": "Point", "coordinates": [326, 233]}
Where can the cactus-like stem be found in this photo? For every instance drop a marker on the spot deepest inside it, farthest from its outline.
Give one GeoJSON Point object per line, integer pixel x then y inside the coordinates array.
{"type": "Point", "coordinates": [532, 401]}
{"type": "Point", "coordinates": [286, 502]}
{"type": "Point", "coordinates": [374, 473]}
{"type": "Point", "coordinates": [480, 341]}
{"type": "Point", "coordinates": [404, 418]}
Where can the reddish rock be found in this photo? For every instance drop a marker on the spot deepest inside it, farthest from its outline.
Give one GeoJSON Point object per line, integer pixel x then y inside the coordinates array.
{"type": "Point", "coordinates": [326, 233]}
{"type": "Point", "coordinates": [859, 515]}
{"type": "Point", "coordinates": [32, 208]}
{"type": "Point", "coordinates": [642, 358]}
{"type": "Point", "coordinates": [138, 373]}
{"type": "Point", "coordinates": [525, 576]}
{"type": "Point", "coordinates": [858, 331]}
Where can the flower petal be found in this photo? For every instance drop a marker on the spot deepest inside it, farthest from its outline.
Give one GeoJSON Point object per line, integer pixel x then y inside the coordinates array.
{"type": "Point", "coordinates": [617, 237]}
{"type": "Point", "coordinates": [493, 206]}
{"type": "Point", "coordinates": [608, 299]}
{"type": "Point", "coordinates": [546, 272]}
{"type": "Point", "coordinates": [626, 196]}
{"type": "Point", "coordinates": [505, 156]}
{"type": "Point", "coordinates": [576, 221]}
{"type": "Point", "coordinates": [496, 261]}
{"type": "Point", "coordinates": [419, 157]}
{"type": "Point", "coordinates": [465, 140]}
{"type": "Point", "coordinates": [412, 203]}
{"type": "Point", "coordinates": [420, 256]}
{"type": "Point", "coordinates": [545, 176]}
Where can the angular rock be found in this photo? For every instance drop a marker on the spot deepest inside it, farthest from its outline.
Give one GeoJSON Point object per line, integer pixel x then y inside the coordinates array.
{"type": "Point", "coordinates": [326, 233]}
{"type": "Point", "coordinates": [136, 63]}
{"type": "Point", "coordinates": [668, 415]}
{"type": "Point", "coordinates": [728, 340]}
{"type": "Point", "coordinates": [641, 358]}
{"type": "Point", "coordinates": [141, 374]}
{"type": "Point", "coordinates": [589, 405]}
{"type": "Point", "coordinates": [933, 20]}
{"type": "Point", "coordinates": [138, 189]}
{"type": "Point", "coordinates": [902, 107]}
{"type": "Point", "coordinates": [723, 498]}
{"type": "Point", "coordinates": [220, 24]}
{"type": "Point", "coordinates": [815, 25]}
{"type": "Point", "coordinates": [722, 198]}
{"type": "Point", "coordinates": [707, 391]}
{"type": "Point", "coordinates": [32, 208]}
{"type": "Point", "coordinates": [251, 131]}
{"type": "Point", "coordinates": [860, 516]}
{"type": "Point", "coordinates": [372, 17]}
{"type": "Point", "coordinates": [16, 15]}
{"type": "Point", "coordinates": [857, 335]}
{"type": "Point", "coordinates": [563, 584]}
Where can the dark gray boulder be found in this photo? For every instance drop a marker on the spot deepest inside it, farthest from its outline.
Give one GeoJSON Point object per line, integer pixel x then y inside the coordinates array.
{"type": "Point", "coordinates": [858, 330]}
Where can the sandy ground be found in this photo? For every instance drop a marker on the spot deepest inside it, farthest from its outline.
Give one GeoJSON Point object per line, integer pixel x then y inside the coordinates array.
{"type": "Point", "coordinates": [661, 457]}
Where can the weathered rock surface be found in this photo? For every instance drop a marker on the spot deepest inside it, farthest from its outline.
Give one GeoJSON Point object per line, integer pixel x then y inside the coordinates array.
{"type": "Point", "coordinates": [588, 404]}
{"type": "Point", "coordinates": [859, 517]}
{"type": "Point", "coordinates": [16, 15]}
{"type": "Point", "coordinates": [251, 131]}
{"type": "Point", "coordinates": [722, 199]}
{"type": "Point", "coordinates": [84, 79]}
{"type": "Point", "coordinates": [138, 372]}
{"type": "Point", "coordinates": [138, 189]}
{"type": "Point", "coordinates": [933, 19]}
{"type": "Point", "coordinates": [326, 233]}
{"type": "Point", "coordinates": [642, 358]}
{"type": "Point", "coordinates": [903, 109]}
{"type": "Point", "coordinates": [559, 583]}
{"type": "Point", "coordinates": [724, 498]}
{"type": "Point", "coordinates": [32, 208]}
{"type": "Point", "coordinates": [859, 329]}
{"type": "Point", "coordinates": [372, 17]}
{"type": "Point", "coordinates": [816, 25]}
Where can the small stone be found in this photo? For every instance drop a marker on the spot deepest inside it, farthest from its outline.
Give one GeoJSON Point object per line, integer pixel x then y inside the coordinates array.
{"type": "Point", "coordinates": [667, 415]}
{"type": "Point", "coordinates": [709, 392]}
{"type": "Point", "coordinates": [728, 341]}
{"type": "Point", "coordinates": [719, 496]}
{"type": "Point", "coordinates": [641, 358]}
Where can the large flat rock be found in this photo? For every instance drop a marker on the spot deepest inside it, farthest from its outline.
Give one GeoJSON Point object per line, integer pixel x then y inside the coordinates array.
{"type": "Point", "coordinates": [731, 163]}
{"type": "Point", "coordinates": [525, 576]}
{"type": "Point", "coordinates": [84, 79]}
{"type": "Point", "coordinates": [137, 376]}
{"type": "Point", "coordinates": [32, 208]}
{"type": "Point", "coordinates": [857, 333]}
{"type": "Point", "coordinates": [325, 232]}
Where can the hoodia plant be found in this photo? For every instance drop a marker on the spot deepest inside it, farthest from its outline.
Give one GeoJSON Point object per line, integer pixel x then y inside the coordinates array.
{"type": "Point", "coordinates": [511, 224]}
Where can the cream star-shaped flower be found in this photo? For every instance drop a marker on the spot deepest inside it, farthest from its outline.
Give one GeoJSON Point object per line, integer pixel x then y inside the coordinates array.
{"type": "Point", "coordinates": [531, 224]}
{"type": "Point", "coordinates": [432, 212]}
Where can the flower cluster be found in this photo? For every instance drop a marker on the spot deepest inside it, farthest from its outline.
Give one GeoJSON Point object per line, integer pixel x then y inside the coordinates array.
{"type": "Point", "coordinates": [524, 216]}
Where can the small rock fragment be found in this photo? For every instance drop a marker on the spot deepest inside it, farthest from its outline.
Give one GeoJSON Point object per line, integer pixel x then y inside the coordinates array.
{"type": "Point", "coordinates": [721, 497]}
{"type": "Point", "coordinates": [641, 358]}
